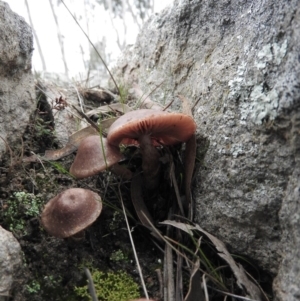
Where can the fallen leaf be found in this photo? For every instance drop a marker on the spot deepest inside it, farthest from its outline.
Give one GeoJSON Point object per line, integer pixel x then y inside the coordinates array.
{"type": "Point", "coordinates": [71, 146]}
{"type": "Point", "coordinates": [242, 279]}
{"type": "Point", "coordinates": [98, 95]}
{"type": "Point", "coordinates": [189, 159]}
{"type": "Point", "coordinates": [195, 292]}
{"type": "Point", "coordinates": [115, 107]}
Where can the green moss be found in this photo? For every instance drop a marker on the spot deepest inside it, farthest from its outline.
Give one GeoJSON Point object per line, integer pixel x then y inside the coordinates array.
{"type": "Point", "coordinates": [20, 207]}
{"type": "Point", "coordinates": [42, 128]}
{"type": "Point", "coordinates": [116, 221]}
{"type": "Point", "coordinates": [34, 287]}
{"type": "Point", "coordinates": [119, 256]}
{"type": "Point", "coordinates": [111, 287]}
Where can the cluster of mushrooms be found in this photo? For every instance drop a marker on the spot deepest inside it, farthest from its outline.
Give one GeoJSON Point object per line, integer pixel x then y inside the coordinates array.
{"type": "Point", "coordinates": [74, 209]}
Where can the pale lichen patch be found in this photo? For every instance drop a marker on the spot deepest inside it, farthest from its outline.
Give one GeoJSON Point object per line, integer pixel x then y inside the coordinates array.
{"type": "Point", "coordinates": [271, 53]}
{"type": "Point", "coordinates": [236, 84]}
{"type": "Point", "coordinates": [256, 102]}
{"type": "Point", "coordinates": [263, 105]}
{"type": "Point", "coordinates": [279, 52]}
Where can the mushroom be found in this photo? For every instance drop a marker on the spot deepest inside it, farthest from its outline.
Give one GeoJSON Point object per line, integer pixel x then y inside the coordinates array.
{"type": "Point", "coordinates": [95, 155]}
{"type": "Point", "coordinates": [150, 128]}
{"type": "Point", "coordinates": [70, 212]}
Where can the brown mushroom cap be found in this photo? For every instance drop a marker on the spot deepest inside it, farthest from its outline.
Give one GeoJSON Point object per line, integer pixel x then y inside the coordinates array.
{"type": "Point", "coordinates": [90, 159]}
{"type": "Point", "coordinates": [163, 127]}
{"type": "Point", "coordinates": [70, 212]}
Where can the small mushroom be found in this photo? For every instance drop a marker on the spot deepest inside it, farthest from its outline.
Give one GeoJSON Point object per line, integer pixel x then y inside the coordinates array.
{"type": "Point", "coordinates": [95, 155]}
{"type": "Point", "coordinates": [151, 128]}
{"type": "Point", "coordinates": [70, 212]}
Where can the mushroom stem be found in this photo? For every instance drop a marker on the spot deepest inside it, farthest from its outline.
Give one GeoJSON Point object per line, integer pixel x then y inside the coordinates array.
{"type": "Point", "coordinates": [121, 171]}
{"type": "Point", "coordinates": [150, 165]}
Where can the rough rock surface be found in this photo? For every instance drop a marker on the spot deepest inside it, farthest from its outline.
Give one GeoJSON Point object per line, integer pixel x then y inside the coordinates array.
{"type": "Point", "coordinates": [66, 120]}
{"type": "Point", "coordinates": [17, 96]}
{"type": "Point", "coordinates": [239, 62]}
{"type": "Point", "coordinates": [10, 260]}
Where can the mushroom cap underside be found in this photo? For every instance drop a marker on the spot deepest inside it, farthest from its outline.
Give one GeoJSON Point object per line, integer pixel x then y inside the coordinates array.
{"type": "Point", "coordinates": [164, 128]}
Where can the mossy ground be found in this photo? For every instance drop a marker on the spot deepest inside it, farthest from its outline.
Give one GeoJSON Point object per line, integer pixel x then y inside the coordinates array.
{"type": "Point", "coordinates": [52, 267]}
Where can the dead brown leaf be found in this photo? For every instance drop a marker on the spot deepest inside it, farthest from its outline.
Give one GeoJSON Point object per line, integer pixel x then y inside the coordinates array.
{"type": "Point", "coordinates": [189, 159]}
{"type": "Point", "coordinates": [115, 107]}
{"type": "Point", "coordinates": [97, 95]}
{"type": "Point", "coordinates": [195, 292]}
{"type": "Point", "coordinates": [242, 279]}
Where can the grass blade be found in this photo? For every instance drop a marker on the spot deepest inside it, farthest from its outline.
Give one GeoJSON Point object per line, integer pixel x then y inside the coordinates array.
{"type": "Point", "coordinates": [133, 246]}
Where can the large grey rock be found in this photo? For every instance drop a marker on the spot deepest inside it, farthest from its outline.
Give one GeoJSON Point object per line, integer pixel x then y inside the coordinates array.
{"type": "Point", "coordinates": [239, 60]}
{"type": "Point", "coordinates": [17, 97]}
{"type": "Point", "coordinates": [286, 284]}
{"type": "Point", "coordinates": [10, 260]}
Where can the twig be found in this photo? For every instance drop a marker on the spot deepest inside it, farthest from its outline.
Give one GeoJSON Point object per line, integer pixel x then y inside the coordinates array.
{"type": "Point", "coordinates": [140, 94]}
{"type": "Point", "coordinates": [169, 104]}
{"type": "Point", "coordinates": [169, 272]}
{"type": "Point", "coordinates": [196, 102]}
{"type": "Point", "coordinates": [254, 280]}
{"type": "Point", "coordinates": [47, 95]}
{"type": "Point", "coordinates": [10, 151]}
{"type": "Point", "coordinates": [160, 281]}
{"type": "Point", "coordinates": [96, 50]}
{"type": "Point", "coordinates": [174, 183]}
{"type": "Point", "coordinates": [132, 244]}
{"type": "Point", "coordinates": [91, 285]}
{"type": "Point", "coordinates": [38, 158]}
{"type": "Point", "coordinates": [79, 98]}
{"type": "Point", "coordinates": [178, 287]}
{"type": "Point", "coordinates": [230, 294]}
{"type": "Point", "coordinates": [22, 150]}
{"type": "Point", "coordinates": [168, 241]}
{"type": "Point", "coordinates": [89, 120]}
{"type": "Point", "coordinates": [205, 288]}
